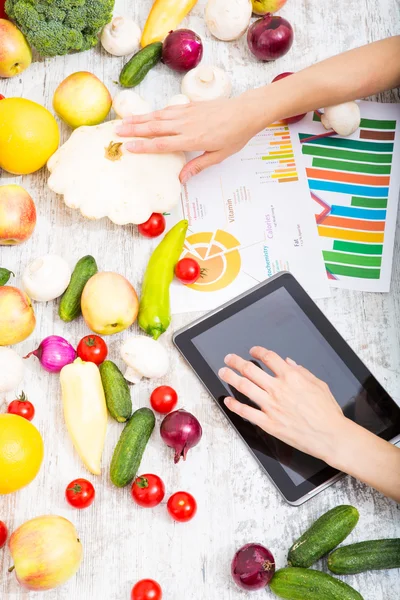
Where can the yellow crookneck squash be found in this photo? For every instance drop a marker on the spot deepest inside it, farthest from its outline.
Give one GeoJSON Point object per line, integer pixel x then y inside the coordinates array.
{"type": "Point", "coordinates": [164, 16]}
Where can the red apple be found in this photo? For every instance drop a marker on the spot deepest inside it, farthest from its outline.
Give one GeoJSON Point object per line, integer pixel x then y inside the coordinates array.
{"type": "Point", "coordinates": [296, 118]}
{"type": "Point", "coordinates": [17, 215]}
{"type": "Point", "coordinates": [17, 319]}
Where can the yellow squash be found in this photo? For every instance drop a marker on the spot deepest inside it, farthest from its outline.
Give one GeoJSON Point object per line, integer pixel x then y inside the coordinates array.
{"type": "Point", "coordinates": [85, 411]}
{"type": "Point", "coordinates": [165, 15]}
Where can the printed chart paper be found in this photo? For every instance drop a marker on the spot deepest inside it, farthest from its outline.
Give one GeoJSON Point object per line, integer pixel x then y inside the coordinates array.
{"type": "Point", "coordinates": [354, 183]}
{"type": "Point", "coordinates": [249, 218]}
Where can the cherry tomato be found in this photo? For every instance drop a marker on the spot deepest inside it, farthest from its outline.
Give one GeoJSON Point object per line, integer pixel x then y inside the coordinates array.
{"type": "Point", "coordinates": [148, 490]}
{"type": "Point", "coordinates": [163, 399]}
{"type": "Point", "coordinates": [22, 407]}
{"type": "Point", "coordinates": [80, 493]}
{"type": "Point", "coordinates": [182, 506]}
{"type": "Point", "coordinates": [92, 348]}
{"type": "Point", "coordinates": [146, 589]}
{"type": "Point", "coordinates": [3, 533]}
{"type": "Point", "coordinates": [1, 95]}
{"type": "Point", "coordinates": [154, 226]}
{"type": "Point", "coordinates": [187, 270]}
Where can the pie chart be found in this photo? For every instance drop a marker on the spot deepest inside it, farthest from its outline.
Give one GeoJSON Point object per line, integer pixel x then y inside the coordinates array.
{"type": "Point", "coordinates": [218, 256]}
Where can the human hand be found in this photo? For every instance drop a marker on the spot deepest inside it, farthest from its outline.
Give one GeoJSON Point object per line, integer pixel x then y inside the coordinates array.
{"type": "Point", "coordinates": [219, 128]}
{"type": "Point", "coordinates": [296, 407]}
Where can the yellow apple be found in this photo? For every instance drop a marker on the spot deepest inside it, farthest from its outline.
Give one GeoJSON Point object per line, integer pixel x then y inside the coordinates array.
{"type": "Point", "coordinates": [15, 53]}
{"type": "Point", "coordinates": [17, 215]}
{"type": "Point", "coordinates": [82, 99]}
{"type": "Point", "coordinates": [46, 552]}
{"type": "Point", "coordinates": [109, 303]}
{"type": "Point", "coordinates": [17, 318]}
{"type": "Point", "coordinates": [262, 7]}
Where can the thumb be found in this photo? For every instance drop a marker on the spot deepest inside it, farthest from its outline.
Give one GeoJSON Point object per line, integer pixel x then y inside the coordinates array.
{"type": "Point", "coordinates": [197, 165]}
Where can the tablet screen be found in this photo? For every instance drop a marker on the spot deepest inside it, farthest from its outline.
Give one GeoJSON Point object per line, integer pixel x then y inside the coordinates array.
{"type": "Point", "coordinates": [277, 322]}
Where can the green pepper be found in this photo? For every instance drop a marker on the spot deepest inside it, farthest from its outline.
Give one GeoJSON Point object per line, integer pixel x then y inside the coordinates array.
{"type": "Point", "coordinates": [5, 275]}
{"type": "Point", "coordinates": [154, 309]}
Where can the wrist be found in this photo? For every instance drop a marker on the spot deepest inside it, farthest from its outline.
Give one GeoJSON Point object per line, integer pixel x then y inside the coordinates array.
{"type": "Point", "coordinates": [261, 107]}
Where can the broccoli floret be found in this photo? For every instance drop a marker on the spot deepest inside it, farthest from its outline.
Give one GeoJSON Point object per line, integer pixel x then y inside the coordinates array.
{"type": "Point", "coordinates": [60, 26]}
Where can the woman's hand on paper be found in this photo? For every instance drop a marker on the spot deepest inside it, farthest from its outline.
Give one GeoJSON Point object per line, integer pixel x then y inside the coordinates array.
{"type": "Point", "coordinates": [296, 406]}
{"type": "Point", "coordinates": [219, 128]}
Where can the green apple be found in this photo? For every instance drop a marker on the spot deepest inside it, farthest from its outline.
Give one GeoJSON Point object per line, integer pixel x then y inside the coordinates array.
{"type": "Point", "coordinates": [15, 53]}
{"type": "Point", "coordinates": [262, 7]}
{"type": "Point", "coordinates": [82, 99]}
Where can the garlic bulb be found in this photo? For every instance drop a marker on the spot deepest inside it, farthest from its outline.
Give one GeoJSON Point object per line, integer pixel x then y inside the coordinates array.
{"type": "Point", "coordinates": [11, 370]}
{"type": "Point", "coordinates": [46, 278]}
{"type": "Point", "coordinates": [145, 358]}
{"type": "Point", "coordinates": [127, 103]}
{"type": "Point", "coordinates": [121, 36]}
{"type": "Point", "coordinates": [206, 83]}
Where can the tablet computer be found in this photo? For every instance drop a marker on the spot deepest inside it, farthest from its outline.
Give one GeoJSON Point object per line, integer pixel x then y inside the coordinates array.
{"type": "Point", "coordinates": [279, 315]}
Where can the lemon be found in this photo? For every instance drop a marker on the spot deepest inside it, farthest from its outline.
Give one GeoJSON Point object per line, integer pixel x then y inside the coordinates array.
{"type": "Point", "coordinates": [21, 453]}
{"type": "Point", "coordinates": [28, 135]}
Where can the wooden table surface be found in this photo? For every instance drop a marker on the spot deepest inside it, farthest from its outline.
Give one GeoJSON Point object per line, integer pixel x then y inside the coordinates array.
{"type": "Point", "coordinates": [237, 503]}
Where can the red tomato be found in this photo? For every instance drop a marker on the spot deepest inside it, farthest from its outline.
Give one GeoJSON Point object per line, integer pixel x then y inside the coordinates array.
{"type": "Point", "coordinates": [187, 270]}
{"type": "Point", "coordinates": [3, 533]}
{"type": "Point", "coordinates": [1, 95]}
{"type": "Point", "coordinates": [163, 399]}
{"type": "Point", "coordinates": [22, 407]}
{"type": "Point", "coordinates": [80, 493]}
{"type": "Point", "coordinates": [153, 227]}
{"type": "Point", "coordinates": [92, 348]}
{"type": "Point", "coordinates": [182, 506]}
{"type": "Point", "coordinates": [146, 589]}
{"type": "Point", "coordinates": [148, 490]}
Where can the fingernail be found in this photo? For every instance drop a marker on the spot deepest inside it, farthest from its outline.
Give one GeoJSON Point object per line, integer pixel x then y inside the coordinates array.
{"type": "Point", "coordinates": [119, 129]}
{"type": "Point", "coordinates": [228, 358]}
{"type": "Point", "coordinates": [185, 178]}
{"type": "Point", "coordinates": [227, 401]}
{"type": "Point", "coordinates": [131, 146]}
{"type": "Point", "coordinates": [221, 372]}
{"type": "Point", "coordinates": [291, 362]}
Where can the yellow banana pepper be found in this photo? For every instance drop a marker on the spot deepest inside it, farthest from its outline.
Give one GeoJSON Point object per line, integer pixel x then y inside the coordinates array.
{"type": "Point", "coordinates": [85, 411]}
{"type": "Point", "coordinates": [165, 15]}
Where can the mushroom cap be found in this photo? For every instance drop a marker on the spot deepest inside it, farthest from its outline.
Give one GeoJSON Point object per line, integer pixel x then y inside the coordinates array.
{"type": "Point", "coordinates": [206, 82]}
{"type": "Point", "coordinates": [343, 118]}
{"type": "Point", "coordinates": [145, 356]}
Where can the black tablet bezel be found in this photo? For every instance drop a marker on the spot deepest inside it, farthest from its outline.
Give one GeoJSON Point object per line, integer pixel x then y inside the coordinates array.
{"type": "Point", "coordinates": [183, 341]}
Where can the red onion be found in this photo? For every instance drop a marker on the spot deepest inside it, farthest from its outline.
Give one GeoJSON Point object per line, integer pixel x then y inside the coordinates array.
{"type": "Point", "coordinates": [296, 118]}
{"type": "Point", "coordinates": [181, 431]}
{"type": "Point", "coordinates": [270, 37]}
{"type": "Point", "coordinates": [253, 567]}
{"type": "Point", "coordinates": [54, 353]}
{"type": "Point", "coordinates": [182, 50]}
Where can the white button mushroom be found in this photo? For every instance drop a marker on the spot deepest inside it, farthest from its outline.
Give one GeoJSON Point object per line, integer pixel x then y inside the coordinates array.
{"type": "Point", "coordinates": [127, 103]}
{"type": "Point", "coordinates": [206, 83]}
{"type": "Point", "coordinates": [179, 99]}
{"type": "Point", "coordinates": [11, 370]}
{"type": "Point", "coordinates": [228, 20]}
{"type": "Point", "coordinates": [145, 358]}
{"type": "Point", "coordinates": [343, 118]}
{"type": "Point", "coordinates": [46, 278]}
{"type": "Point", "coordinates": [121, 36]}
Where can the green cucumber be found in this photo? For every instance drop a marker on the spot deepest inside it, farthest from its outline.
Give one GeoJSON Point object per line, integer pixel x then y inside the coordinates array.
{"type": "Point", "coordinates": [295, 583]}
{"type": "Point", "coordinates": [154, 309]}
{"type": "Point", "coordinates": [116, 391]}
{"type": "Point", "coordinates": [365, 556]}
{"type": "Point", "coordinates": [70, 305]}
{"type": "Point", "coordinates": [323, 536]}
{"type": "Point", "coordinates": [5, 275]}
{"type": "Point", "coordinates": [140, 64]}
{"type": "Point", "coordinates": [131, 445]}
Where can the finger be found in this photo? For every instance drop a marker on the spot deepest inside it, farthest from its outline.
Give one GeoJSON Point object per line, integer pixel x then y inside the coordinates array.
{"type": "Point", "coordinates": [153, 129]}
{"type": "Point", "coordinates": [244, 386]}
{"type": "Point", "coordinates": [197, 165]}
{"type": "Point", "coordinates": [271, 359]}
{"type": "Point", "coordinates": [157, 145]}
{"type": "Point", "coordinates": [247, 412]}
{"type": "Point", "coordinates": [170, 112]}
{"type": "Point", "coordinates": [250, 371]}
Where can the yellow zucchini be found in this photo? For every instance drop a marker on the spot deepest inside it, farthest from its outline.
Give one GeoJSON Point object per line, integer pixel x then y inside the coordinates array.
{"type": "Point", "coordinates": [85, 411]}
{"type": "Point", "coordinates": [164, 16]}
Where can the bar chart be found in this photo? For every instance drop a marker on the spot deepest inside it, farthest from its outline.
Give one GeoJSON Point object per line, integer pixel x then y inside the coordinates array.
{"type": "Point", "coordinates": [274, 147]}
{"type": "Point", "coordinates": [349, 180]}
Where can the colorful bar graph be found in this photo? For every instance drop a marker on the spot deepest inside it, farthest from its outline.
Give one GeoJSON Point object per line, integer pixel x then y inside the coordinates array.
{"type": "Point", "coordinates": [326, 163]}
{"type": "Point", "coordinates": [329, 175]}
{"type": "Point", "coordinates": [347, 154]}
{"type": "Point", "coordinates": [353, 224]}
{"type": "Point", "coordinates": [344, 188]}
{"type": "Point", "coordinates": [277, 156]}
{"type": "Point", "coordinates": [350, 235]}
{"type": "Point", "coordinates": [357, 213]}
{"type": "Point", "coordinates": [369, 202]}
{"type": "Point", "coordinates": [348, 143]}
{"type": "Point", "coordinates": [367, 134]}
{"type": "Point", "coordinates": [370, 123]}
{"type": "Point", "coordinates": [357, 248]}
{"type": "Point", "coordinates": [352, 259]}
{"type": "Point", "coordinates": [353, 271]}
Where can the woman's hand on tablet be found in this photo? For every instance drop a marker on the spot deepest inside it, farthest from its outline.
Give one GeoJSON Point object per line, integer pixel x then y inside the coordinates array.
{"type": "Point", "coordinates": [299, 409]}
{"type": "Point", "coordinates": [296, 407]}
